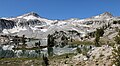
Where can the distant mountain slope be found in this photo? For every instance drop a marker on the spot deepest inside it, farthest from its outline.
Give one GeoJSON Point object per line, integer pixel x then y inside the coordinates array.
{"type": "Point", "coordinates": [40, 27]}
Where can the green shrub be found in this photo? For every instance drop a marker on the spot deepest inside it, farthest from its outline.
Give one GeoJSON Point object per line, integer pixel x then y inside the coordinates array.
{"type": "Point", "coordinates": [114, 22]}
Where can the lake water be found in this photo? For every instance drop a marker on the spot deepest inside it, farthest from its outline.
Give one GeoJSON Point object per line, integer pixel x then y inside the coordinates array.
{"type": "Point", "coordinates": [6, 51]}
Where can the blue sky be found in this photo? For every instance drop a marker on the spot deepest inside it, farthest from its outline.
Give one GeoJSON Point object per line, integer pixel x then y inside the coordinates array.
{"type": "Point", "coordinates": [59, 9]}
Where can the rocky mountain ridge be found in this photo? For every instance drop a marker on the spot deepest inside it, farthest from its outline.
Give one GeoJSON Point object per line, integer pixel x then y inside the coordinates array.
{"type": "Point", "coordinates": [38, 26]}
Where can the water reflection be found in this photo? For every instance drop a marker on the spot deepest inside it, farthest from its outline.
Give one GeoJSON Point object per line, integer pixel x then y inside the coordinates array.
{"type": "Point", "coordinates": [50, 51]}
{"type": "Point", "coordinates": [6, 51]}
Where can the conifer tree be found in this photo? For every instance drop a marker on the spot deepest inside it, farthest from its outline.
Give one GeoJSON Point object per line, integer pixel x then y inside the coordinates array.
{"type": "Point", "coordinates": [116, 50]}
{"type": "Point", "coordinates": [45, 61]}
{"type": "Point", "coordinates": [117, 38]}
{"type": "Point", "coordinates": [116, 56]}
{"type": "Point", "coordinates": [98, 34]}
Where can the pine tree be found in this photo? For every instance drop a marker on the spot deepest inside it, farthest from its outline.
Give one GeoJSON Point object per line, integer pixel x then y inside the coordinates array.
{"type": "Point", "coordinates": [116, 50]}
{"type": "Point", "coordinates": [117, 38]}
{"type": "Point", "coordinates": [50, 40]}
{"type": "Point", "coordinates": [115, 22]}
{"type": "Point", "coordinates": [116, 56]}
{"type": "Point", "coordinates": [98, 34]}
{"type": "Point", "coordinates": [50, 51]}
{"type": "Point", "coordinates": [97, 38]}
{"type": "Point", "coordinates": [79, 50]}
{"type": "Point", "coordinates": [45, 61]}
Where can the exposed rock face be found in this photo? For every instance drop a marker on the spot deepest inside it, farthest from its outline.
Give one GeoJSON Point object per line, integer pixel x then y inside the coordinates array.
{"type": "Point", "coordinates": [6, 24]}
{"type": "Point", "coordinates": [31, 14]}
{"type": "Point", "coordinates": [30, 22]}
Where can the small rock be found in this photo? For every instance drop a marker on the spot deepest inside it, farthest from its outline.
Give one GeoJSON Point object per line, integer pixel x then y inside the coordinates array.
{"type": "Point", "coordinates": [85, 59]}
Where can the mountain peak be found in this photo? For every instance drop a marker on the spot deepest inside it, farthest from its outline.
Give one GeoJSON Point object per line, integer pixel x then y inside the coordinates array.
{"type": "Point", "coordinates": [104, 15]}
{"type": "Point", "coordinates": [31, 13]}
{"type": "Point", "coordinates": [107, 14]}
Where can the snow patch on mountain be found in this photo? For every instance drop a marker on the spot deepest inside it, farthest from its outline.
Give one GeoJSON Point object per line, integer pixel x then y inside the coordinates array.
{"type": "Point", "coordinates": [37, 26]}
